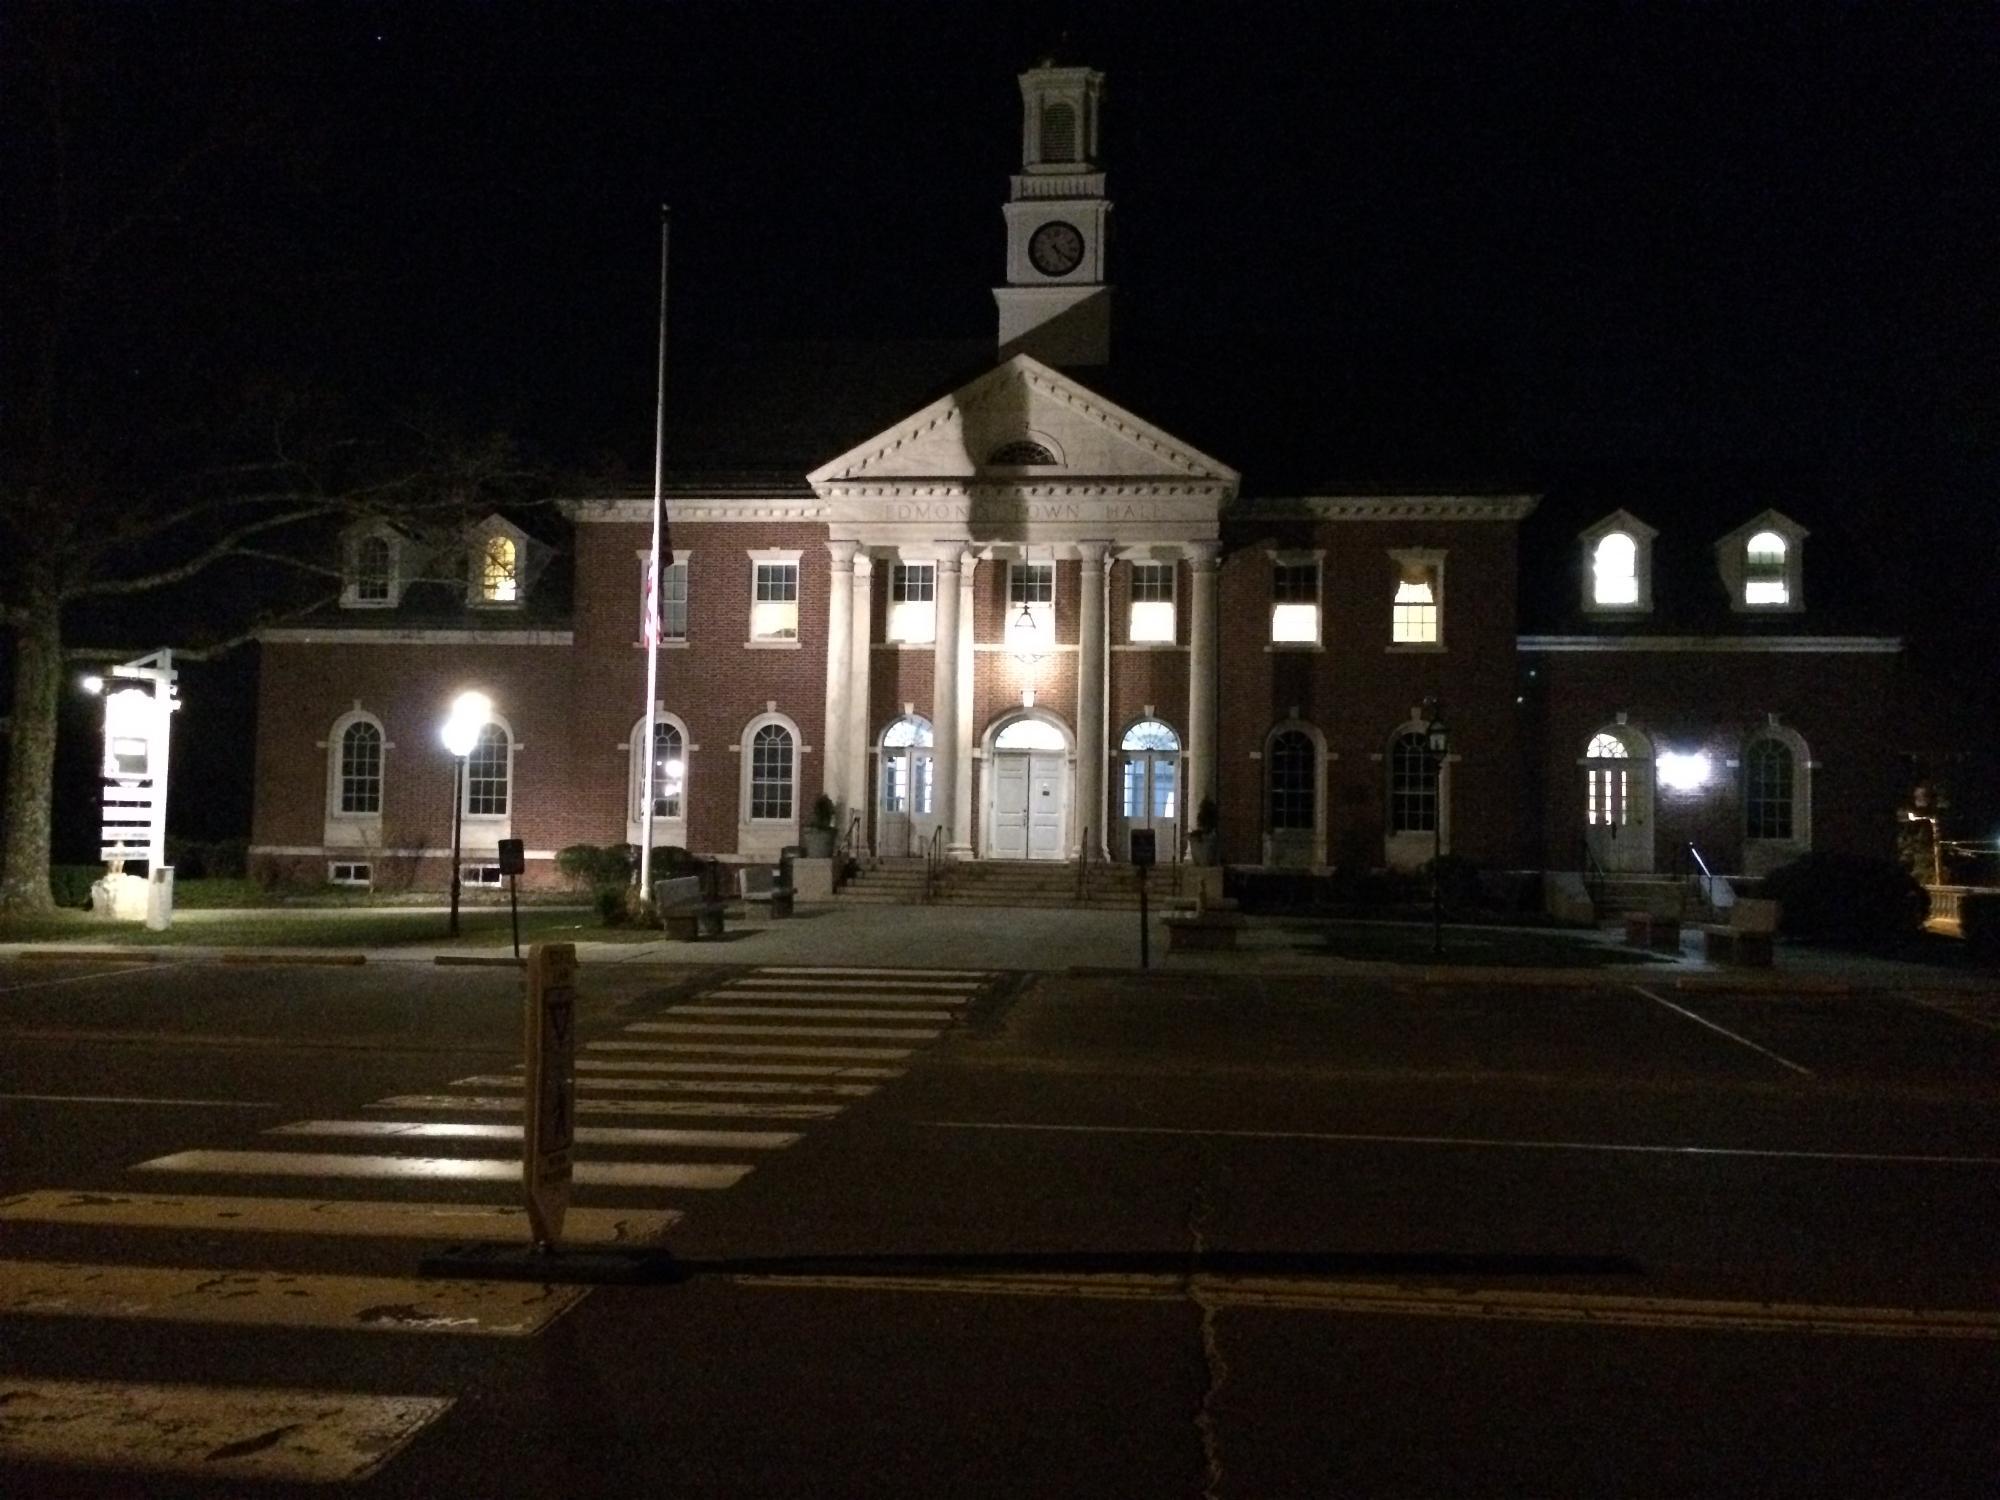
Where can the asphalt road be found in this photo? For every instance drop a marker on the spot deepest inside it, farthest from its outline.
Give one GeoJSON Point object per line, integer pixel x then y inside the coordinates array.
{"type": "Point", "coordinates": [986, 1234]}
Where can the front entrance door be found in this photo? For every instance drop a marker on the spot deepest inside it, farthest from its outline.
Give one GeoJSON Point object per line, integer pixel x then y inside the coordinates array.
{"type": "Point", "coordinates": [1030, 804]}
{"type": "Point", "coordinates": [905, 800]}
{"type": "Point", "coordinates": [1618, 803]}
{"type": "Point", "coordinates": [1149, 787]}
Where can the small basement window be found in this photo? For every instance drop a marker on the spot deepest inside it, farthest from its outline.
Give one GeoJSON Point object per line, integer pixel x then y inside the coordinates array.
{"type": "Point", "coordinates": [479, 874]}
{"type": "Point", "coordinates": [351, 873]}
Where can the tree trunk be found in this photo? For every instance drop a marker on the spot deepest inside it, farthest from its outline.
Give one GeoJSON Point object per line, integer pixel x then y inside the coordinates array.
{"type": "Point", "coordinates": [31, 757]}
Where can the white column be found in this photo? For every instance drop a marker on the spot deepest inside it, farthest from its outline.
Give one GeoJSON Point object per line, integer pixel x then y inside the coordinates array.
{"type": "Point", "coordinates": [961, 813]}
{"type": "Point", "coordinates": [861, 632]}
{"type": "Point", "coordinates": [1202, 681]}
{"type": "Point", "coordinates": [839, 663]}
{"type": "Point", "coordinates": [944, 697]}
{"type": "Point", "coordinates": [1090, 698]}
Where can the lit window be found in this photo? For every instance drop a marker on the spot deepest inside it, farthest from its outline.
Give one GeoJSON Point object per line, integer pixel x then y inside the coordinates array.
{"type": "Point", "coordinates": [350, 872]}
{"type": "Point", "coordinates": [1031, 587]}
{"type": "Point", "coordinates": [1291, 781]}
{"type": "Point", "coordinates": [1415, 611]}
{"type": "Point", "coordinates": [361, 769]}
{"type": "Point", "coordinates": [486, 774]}
{"type": "Point", "coordinates": [771, 774]}
{"type": "Point", "coordinates": [1295, 603]}
{"type": "Point", "coordinates": [913, 602]}
{"type": "Point", "coordinates": [1614, 570]}
{"type": "Point", "coordinates": [373, 566]}
{"type": "Point", "coordinates": [1768, 784]}
{"type": "Point", "coordinates": [774, 608]}
{"type": "Point", "coordinates": [1764, 580]}
{"type": "Point", "coordinates": [1152, 601]}
{"type": "Point", "coordinates": [499, 570]}
{"type": "Point", "coordinates": [669, 771]}
{"type": "Point", "coordinates": [674, 601]}
{"type": "Point", "coordinates": [1413, 784]}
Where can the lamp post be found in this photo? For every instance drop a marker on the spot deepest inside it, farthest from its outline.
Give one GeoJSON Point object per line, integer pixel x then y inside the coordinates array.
{"type": "Point", "coordinates": [1437, 744]}
{"type": "Point", "coordinates": [469, 715]}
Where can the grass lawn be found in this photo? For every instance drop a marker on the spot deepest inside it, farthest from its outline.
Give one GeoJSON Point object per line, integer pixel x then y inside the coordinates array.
{"type": "Point", "coordinates": [1482, 947]}
{"type": "Point", "coordinates": [293, 927]}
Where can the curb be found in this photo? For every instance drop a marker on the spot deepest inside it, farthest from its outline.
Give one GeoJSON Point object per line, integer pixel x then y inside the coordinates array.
{"type": "Point", "coordinates": [341, 960]}
{"type": "Point", "coordinates": [98, 955]}
{"type": "Point", "coordinates": [479, 961]}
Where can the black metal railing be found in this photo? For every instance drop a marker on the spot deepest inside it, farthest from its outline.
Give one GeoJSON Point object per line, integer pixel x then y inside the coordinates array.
{"type": "Point", "coordinates": [1595, 876]}
{"type": "Point", "coordinates": [1711, 889]}
{"type": "Point", "coordinates": [1083, 868]}
{"type": "Point", "coordinates": [934, 864]}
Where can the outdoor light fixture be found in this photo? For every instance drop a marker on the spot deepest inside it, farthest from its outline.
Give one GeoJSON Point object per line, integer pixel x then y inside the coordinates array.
{"type": "Point", "coordinates": [1022, 635]}
{"type": "Point", "coordinates": [1683, 773]}
{"type": "Point", "coordinates": [93, 684]}
{"type": "Point", "coordinates": [470, 713]}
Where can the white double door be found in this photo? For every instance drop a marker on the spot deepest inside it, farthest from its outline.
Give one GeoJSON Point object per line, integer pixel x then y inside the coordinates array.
{"type": "Point", "coordinates": [1030, 805]}
{"type": "Point", "coordinates": [1149, 797]}
{"type": "Point", "coordinates": [907, 812]}
{"type": "Point", "coordinates": [1618, 815]}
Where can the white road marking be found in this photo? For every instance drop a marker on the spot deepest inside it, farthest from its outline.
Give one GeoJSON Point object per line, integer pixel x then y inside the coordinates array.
{"type": "Point", "coordinates": [1359, 1138]}
{"type": "Point", "coordinates": [221, 1433]}
{"type": "Point", "coordinates": [794, 996]}
{"type": "Point", "coordinates": [592, 1085]}
{"type": "Point", "coordinates": [714, 1028]}
{"type": "Point", "coordinates": [589, 1135]}
{"type": "Point", "coordinates": [443, 1168]}
{"type": "Point", "coordinates": [631, 1108]}
{"type": "Point", "coordinates": [751, 1049]}
{"type": "Point", "coordinates": [968, 976]}
{"type": "Point", "coordinates": [133, 1099]}
{"type": "Point", "coordinates": [1722, 1031]}
{"type": "Point", "coordinates": [123, 971]}
{"type": "Point", "coordinates": [799, 1013]}
{"type": "Point", "coordinates": [346, 1217]}
{"type": "Point", "coordinates": [280, 1299]}
{"type": "Point", "coordinates": [736, 1069]}
{"type": "Point", "coordinates": [1945, 1010]}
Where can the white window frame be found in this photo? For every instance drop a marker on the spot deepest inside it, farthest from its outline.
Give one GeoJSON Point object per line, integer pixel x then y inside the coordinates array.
{"type": "Point", "coordinates": [360, 873]}
{"type": "Point", "coordinates": [912, 621]}
{"type": "Point", "coordinates": [680, 564]}
{"type": "Point", "coordinates": [1408, 559]}
{"type": "Point", "coordinates": [1620, 522]}
{"type": "Point", "coordinates": [1733, 561]}
{"type": "Point", "coordinates": [335, 741]}
{"type": "Point", "coordinates": [1041, 611]}
{"type": "Point", "coordinates": [777, 558]}
{"type": "Point", "coordinates": [1316, 560]}
{"type": "Point", "coordinates": [491, 820]}
{"type": "Point", "coordinates": [1762, 854]}
{"type": "Point", "coordinates": [1163, 625]}
{"type": "Point", "coordinates": [481, 538]}
{"type": "Point", "coordinates": [1411, 849]}
{"type": "Point", "coordinates": [762, 836]}
{"type": "Point", "coordinates": [484, 874]}
{"type": "Point", "coordinates": [635, 770]}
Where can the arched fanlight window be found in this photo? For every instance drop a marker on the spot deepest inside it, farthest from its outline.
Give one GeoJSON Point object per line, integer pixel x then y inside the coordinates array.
{"type": "Point", "coordinates": [1615, 570]}
{"type": "Point", "coordinates": [1030, 734]}
{"type": "Point", "coordinates": [1605, 746]}
{"type": "Point", "coordinates": [1150, 734]}
{"type": "Point", "coordinates": [1021, 454]}
{"type": "Point", "coordinates": [912, 729]}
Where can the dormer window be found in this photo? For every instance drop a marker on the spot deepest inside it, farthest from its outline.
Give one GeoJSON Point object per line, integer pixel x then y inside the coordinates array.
{"type": "Point", "coordinates": [1618, 565]}
{"type": "Point", "coordinates": [1760, 565]}
{"type": "Point", "coordinates": [499, 571]}
{"type": "Point", "coordinates": [373, 561]}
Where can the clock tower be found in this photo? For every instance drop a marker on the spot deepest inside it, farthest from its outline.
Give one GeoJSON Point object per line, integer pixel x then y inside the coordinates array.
{"type": "Point", "coordinates": [1056, 304]}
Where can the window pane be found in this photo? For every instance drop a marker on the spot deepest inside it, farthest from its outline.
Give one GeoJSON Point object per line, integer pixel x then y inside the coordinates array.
{"type": "Point", "coordinates": [1163, 787]}
{"type": "Point", "coordinates": [771, 774]}
{"type": "Point", "coordinates": [674, 602]}
{"type": "Point", "coordinates": [1412, 785]}
{"type": "Point", "coordinates": [774, 610]}
{"type": "Point", "coordinates": [372, 569]}
{"type": "Point", "coordinates": [1605, 747]}
{"type": "Point", "coordinates": [895, 783]}
{"type": "Point", "coordinates": [1295, 583]}
{"type": "Point", "coordinates": [361, 769]}
{"type": "Point", "coordinates": [1767, 791]}
{"type": "Point", "coordinates": [1031, 583]}
{"type": "Point", "coordinates": [498, 573]}
{"type": "Point", "coordinates": [486, 775]}
{"type": "Point", "coordinates": [1289, 767]}
{"type": "Point", "coordinates": [1134, 800]}
{"type": "Point", "coordinates": [921, 767]}
{"type": "Point", "coordinates": [1295, 623]}
{"type": "Point", "coordinates": [669, 772]}
{"type": "Point", "coordinates": [1615, 570]}
{"type": "Point", "coordinates": [1150, 734]}
{"type": "Point", "coordinates": [1153, 582]}
{"type": "Point", "coordinates": [1152, 622]}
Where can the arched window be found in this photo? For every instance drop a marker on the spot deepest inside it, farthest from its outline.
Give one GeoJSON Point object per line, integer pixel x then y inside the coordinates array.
{"type": "Point", "coordinates": [771, 774]}
{"type": "Point", "coordinates": [1291, 780]}
{"type": "Point", "coordinates": [1028, 733]}
{"type": "Point", "coordinates": [669, 769]}
{"type": "Point", "coordinates": [1764, 580]}
{"type": "Point", "coordinates": [1606, 746]}
{"type": "Point", "coordinates": [499, 570]}
{"type": "Point", "coordinates": [1058, 132]}
{"type": "Point", "coordinates": [360, 775]}
{"type": "Point", "coordinates": [487, 774]}
{"type": "Point", "coordinates": [1615, 570]}
{"type": "Point", "coordinates": [1770, 784]}
{"type": "Point", "coordinates": [1414, 776]}
{"type": "Point", "coordinates": [1150, 734]}
{"type": "Point", "coordinates": [372, 570]}
{"type": "Point", "coordinates": [1021, 454]}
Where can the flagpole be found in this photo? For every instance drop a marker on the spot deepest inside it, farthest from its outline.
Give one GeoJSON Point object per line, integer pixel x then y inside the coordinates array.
{"type": "Point", "coordinates": [651, 623]}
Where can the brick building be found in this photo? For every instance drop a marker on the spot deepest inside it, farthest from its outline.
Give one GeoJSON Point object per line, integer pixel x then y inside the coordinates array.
{"type": "Point", "coordinates": [1025, 616]}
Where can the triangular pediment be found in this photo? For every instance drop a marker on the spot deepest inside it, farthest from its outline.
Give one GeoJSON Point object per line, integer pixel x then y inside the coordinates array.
{"type": "Point", "coordinates": [1021, 422]}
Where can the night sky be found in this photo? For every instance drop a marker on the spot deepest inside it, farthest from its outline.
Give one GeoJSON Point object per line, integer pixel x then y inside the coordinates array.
{"type": "Point", "coordinates": [1693, 260]}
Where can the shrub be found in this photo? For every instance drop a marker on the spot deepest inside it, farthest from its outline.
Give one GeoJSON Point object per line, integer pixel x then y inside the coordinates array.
{"type": "Point", "coordinates": [579, 864]}
{"type": "Point", "coordinates": [614, 905]}
{"type": "Point", "coordinates": [70, 884]}
{"type": "Point", "coordinates": [1847, 898]}
{"type": "Point", "coordinates": [1979, 923]}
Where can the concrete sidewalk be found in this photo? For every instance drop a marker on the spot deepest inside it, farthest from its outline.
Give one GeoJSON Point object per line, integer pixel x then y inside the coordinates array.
{"type": "Point", "coordinates": [1045, 940]}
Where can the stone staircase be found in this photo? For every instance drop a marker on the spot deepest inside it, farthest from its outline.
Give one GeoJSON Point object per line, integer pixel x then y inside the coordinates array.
{"type": "Point", "coordinates": [885, 882]}
{"type": "Point", "coordinates": [1659, 895]}
{"type": "Point", "coordinates": [1015, 883]}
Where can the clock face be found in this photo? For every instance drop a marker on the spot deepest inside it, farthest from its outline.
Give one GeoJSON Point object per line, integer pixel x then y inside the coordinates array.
{"type": "Point", "coordinates": [1056, 248]}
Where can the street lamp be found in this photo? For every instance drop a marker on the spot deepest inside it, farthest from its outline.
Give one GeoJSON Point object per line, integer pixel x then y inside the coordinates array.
{"type": "Point", "coordinates": [1437, 744]}
{"type": "Point", "coordinates": [470, 713]}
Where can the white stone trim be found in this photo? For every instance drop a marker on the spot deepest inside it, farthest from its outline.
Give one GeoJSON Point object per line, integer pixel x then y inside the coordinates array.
{"type": "Point", "coordinates": [350, 635]}
{"type": "Point", "coordinates": [1390, 508]}
{"type": "Point", "coordinates": [1822, 645]}
{"type": "Point", "coordinates": [320, 851]}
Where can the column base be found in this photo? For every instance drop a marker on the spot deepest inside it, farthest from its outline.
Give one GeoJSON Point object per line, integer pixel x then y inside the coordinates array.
{"type": "Point", "coordinates": [958, 851]}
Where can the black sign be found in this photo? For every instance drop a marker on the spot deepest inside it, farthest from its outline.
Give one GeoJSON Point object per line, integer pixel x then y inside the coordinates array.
{"type": "Point", "coordinates": [1142, 847]}
{"type": "Point", "coordinates": [513, 857]}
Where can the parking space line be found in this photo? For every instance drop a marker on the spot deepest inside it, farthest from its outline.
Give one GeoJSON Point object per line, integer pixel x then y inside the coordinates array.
{"type": "Point", "coordinates": [1946, 1010]}
{"type": "Point", "coordinates": [1783, 1062]}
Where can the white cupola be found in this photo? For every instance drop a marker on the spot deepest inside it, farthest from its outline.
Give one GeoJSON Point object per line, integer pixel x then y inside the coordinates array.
{"type": "Point", "coordinates": [1056, 305]}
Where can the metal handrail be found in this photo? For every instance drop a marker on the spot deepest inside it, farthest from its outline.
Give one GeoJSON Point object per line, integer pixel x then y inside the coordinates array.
{"type": "Point", "coordinates": [1707, 881]}
{"type": "Point", "coordinates": [933, 863]}
{"type": "Point", "coordinates": [1592, 862]}
{"type": "Point", "coordinates": [1083, 867]}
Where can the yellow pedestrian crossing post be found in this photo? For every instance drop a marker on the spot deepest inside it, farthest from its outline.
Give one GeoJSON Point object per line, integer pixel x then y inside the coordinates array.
{"type": "Point", "coordinates": [549, 1126]}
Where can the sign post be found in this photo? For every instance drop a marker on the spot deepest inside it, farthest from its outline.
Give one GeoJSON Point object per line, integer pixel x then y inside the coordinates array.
{"type": "Point", "coordinates": [549, 1129]}
{"type": "Point", "coordinates": [1144, 853]}
{"type": "Point", "coordinates": [513, 863]}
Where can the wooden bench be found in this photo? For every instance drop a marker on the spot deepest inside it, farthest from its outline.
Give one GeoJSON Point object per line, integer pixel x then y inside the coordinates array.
{"type": "Point", "coordinates": [1211, 926]}
{"type": "Point", "coordinates": [684, 912]}
{"type": "Point", "coordinates": [1748, 938]}
{"type": "Point", "coordinates": [766, 892]}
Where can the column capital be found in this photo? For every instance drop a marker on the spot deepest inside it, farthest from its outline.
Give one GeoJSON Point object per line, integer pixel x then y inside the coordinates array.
{"type": "Point", "coordinates": [951, 557]}
{"type": "Point", "coordinates": [843, 555]}
{"type": "Point", "coordinates": [1093, 553]}
{"type": "Point", "coordinates": [864, 565]}
{"type": "Point", "coordinates": [1201, 556]}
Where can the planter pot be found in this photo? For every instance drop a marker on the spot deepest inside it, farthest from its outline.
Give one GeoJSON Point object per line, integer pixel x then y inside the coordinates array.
{"type": "Point", "coordinates": [1201, 848]}
{"type": "Point", "coordinates": [818, 842]}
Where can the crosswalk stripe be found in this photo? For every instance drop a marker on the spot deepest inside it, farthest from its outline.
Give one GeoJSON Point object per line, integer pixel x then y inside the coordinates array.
{"type": "Point", "coordinates": [736, 1069]}
{"type": "Point", "coordinates": [588, 1135]}
{"type": "Point", "coordinates": [717, 1109]}
{"type": "Point", "coordinates": [329, 1216]}
{"type": "Point", "coordinates": [714, 1028]}
{"type": "Point", "coordinates": [280, 1299]}
{"type": "Point", "coordinates": [825, 999]}
{"type": "Point", "coordinates": [444, 1168]}
{"type": "Point", "coordinates": [845, 986]}
{"type": "Point", "coordinates": [851, 970]}
{"type": "Point", "coordinates": [805, 1013]}
{"type": "Point", "coordinates": [690, 1086]}
{"type": "Point", "coordinates": [215, 1432]}
{"type": "Point", "coordinates": [751, 1049]}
